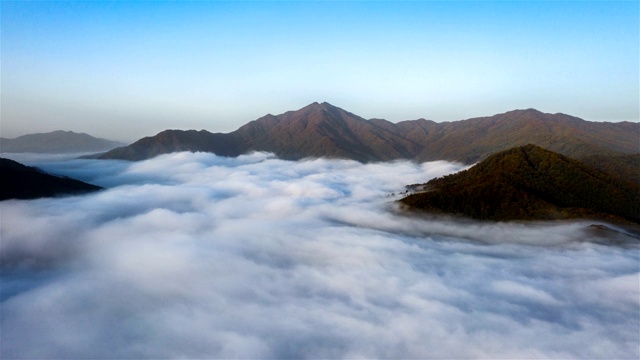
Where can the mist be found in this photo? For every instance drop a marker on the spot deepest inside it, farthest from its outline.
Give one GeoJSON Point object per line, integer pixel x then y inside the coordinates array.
{"type": "Point", "coordinates": [191, 255]}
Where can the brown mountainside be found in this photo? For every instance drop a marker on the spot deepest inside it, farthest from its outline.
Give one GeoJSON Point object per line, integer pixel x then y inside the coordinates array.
{"type": "Point", "coordinates": [323, 130]}
{"type": "Point", "coordinates": [474, 139]}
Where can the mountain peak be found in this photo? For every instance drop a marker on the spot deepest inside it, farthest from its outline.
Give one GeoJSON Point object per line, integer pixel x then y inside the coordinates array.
{"type": "Point", "coordinates": [314, 106]}
{"type": "Point", "coordinates": [529, 111]}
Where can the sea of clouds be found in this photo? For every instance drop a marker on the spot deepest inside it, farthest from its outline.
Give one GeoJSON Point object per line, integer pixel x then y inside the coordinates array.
{"type": "Point", "coordinates": [190, 255]}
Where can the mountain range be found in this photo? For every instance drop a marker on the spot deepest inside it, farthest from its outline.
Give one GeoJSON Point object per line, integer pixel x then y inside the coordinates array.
{"type": "Point", "coordinates": [57, 142]}
{"type": "Point", "coordinates": [529, 183]}
{"type": "Point", "coordinates": [24, 182]}
{"type": "Point", "coordinates": [324, 130]}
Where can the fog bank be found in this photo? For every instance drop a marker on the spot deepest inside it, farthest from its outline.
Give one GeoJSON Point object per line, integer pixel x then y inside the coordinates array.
{"type": "Point", "coordinates": [196, 256]}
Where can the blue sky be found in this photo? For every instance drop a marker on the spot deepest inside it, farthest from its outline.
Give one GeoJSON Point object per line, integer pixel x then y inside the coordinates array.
{"type": "Point", "coordinates": [124, 70]}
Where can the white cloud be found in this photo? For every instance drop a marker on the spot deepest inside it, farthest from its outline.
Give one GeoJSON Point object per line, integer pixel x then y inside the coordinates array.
{"type": "Point", "coordinates": [522, 292]}
{"type": "Point", "coordinates": [197, 256]}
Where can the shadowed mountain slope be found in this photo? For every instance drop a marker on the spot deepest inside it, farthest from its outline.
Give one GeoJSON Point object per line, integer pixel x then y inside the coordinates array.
{"type": "Point", "coordinates": [56, 142]}
{"type": "Point", "coordinates": [24, 182]}
{"type": "Point", "coordinates": [529, 183]}
{"type": "Point", "coordinates": [622, 166]}
{"type": "Point", "coordinates": [169, 141]}
{"type": "Point", "coordinates": [323, 130]}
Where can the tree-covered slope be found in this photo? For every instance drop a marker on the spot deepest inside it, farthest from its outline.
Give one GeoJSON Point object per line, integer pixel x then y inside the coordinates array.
{"type": "Point", "coordinates": [625, 166]}
{"type": "Point", "coordinates": [527, 183]}
{"type": "Point", "coordinates": [24, 182]}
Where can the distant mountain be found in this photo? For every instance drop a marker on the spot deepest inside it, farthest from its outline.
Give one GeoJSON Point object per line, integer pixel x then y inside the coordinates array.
{"type": "Point", "coordinates": [24, 182]}
{"type": "Point", "coordinates": [529, 183]}
{"type": "Point", "coordinates": [169, 141]}
{"type": "Point", "coordinates": [57, 142]}
{"type": "Point", "coordinates": [323, 130]}
{"type": "Point", "coordinates": [317, 130]}
{"type": "Point", "coordinates": [471, 140]}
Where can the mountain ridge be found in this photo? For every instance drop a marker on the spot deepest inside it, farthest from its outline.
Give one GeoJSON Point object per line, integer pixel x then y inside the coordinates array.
{"type": "Point", "coordinates": [324, 130]}
{"type": "Point", "coordinates": [59, 141]}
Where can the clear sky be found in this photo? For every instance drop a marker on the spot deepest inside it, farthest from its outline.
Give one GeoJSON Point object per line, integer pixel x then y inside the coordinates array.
{"type": "Point", "coordinates": [124, 70]}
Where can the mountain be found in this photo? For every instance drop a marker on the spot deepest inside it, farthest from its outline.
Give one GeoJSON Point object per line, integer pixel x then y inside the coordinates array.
{"type": "Point", "coordinates": [529, 183]}
{"type": "Point", "coordinates": [24, 182]}
{"type": "Point", "coordinates": [323, 130]}
{"type": "Point", "coordinates": [57, 142]}
{"type": "Point", "coordinates": [317, 130]}
{"type": "Point", "coordinates": [472, 140]}
{"type": "Point", "coordinates": [169, 141]}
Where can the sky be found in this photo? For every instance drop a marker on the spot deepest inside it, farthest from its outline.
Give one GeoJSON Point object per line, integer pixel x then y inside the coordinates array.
{"type": "Point", "coordinates": [124, 70]}
{"type": "Point", "coordinates": [259, 258]}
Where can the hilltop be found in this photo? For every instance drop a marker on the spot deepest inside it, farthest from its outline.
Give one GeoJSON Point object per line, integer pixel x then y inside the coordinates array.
{"type": "Point", "coordinates": [529, 183]}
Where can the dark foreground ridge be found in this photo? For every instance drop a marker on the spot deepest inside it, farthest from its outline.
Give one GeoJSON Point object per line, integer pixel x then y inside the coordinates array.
{"type": "Point", "coordinates": [530, 183]}
{"type": "Point", "coordinates": [24, 182]}
{"type": "Point", "coordinates": [324, 130]}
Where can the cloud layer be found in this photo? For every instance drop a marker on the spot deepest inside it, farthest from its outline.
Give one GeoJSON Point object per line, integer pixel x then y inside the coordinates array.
{"type": "Point", "coordinates": [198, 256]}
